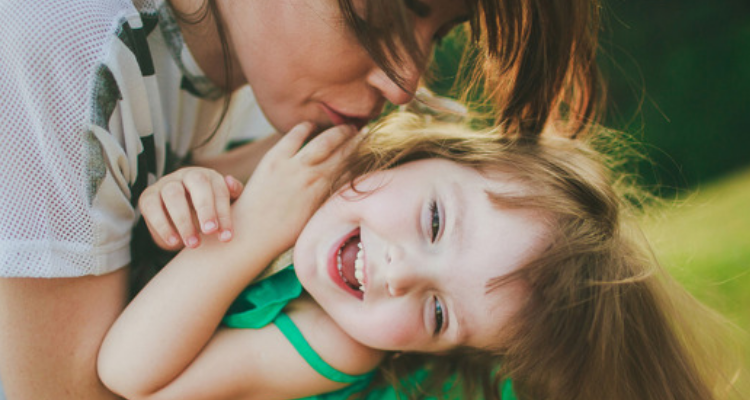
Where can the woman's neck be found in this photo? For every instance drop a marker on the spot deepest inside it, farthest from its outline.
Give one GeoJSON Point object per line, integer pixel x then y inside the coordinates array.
{"type": "Point", "coordinates": [203, 39]}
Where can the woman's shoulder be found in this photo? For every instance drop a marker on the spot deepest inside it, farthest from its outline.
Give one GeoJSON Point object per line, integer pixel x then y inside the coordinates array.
{"type": "Point", "coordinates": [62, 44]}
{"type": "Point", "coordinates": [67, 22]}
{"type": "Point", "coordinates": [331, 343]}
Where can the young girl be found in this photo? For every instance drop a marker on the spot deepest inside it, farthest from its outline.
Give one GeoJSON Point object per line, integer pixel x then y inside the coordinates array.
{"type": "Point", "coordinates": [98, 98]}
{"type": "Point", "coordinates": [443, 249]}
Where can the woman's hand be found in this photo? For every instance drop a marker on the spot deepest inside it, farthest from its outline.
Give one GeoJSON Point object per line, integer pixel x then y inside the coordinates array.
{"type": "Point", "coordinates": [187, 202]}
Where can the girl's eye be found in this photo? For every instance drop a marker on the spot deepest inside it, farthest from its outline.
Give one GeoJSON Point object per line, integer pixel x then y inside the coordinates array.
{"type": "Point", "coordinates": [434, 221]}
{"type": "Point", "coordinates": [438, 316]}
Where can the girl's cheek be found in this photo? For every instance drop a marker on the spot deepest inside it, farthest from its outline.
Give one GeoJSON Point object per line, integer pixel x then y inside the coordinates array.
{"type": "Point", "coordinates": [397, 333]}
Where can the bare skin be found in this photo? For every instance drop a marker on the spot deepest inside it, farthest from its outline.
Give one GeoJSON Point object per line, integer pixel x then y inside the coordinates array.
{"type": "Point", "coordinates": [59, 326]}
{"type": "Point", "coordinates": [240, 162]}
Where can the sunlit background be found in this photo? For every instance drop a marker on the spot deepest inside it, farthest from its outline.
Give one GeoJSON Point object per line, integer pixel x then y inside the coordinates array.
{"type": "Point", "coordinates": [679, 81]}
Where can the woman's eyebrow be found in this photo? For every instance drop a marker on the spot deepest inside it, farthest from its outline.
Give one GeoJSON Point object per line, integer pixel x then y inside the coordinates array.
{"type": "Point", "coordinates": [420, 8]}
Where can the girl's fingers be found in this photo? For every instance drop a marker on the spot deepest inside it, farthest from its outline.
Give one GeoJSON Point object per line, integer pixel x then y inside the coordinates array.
{"type": "Point", "coordinates": [158, 224]}
{"type": "Point", "coordinates": [340, 153]}
{"type": "Point", "coordinates": [290, 143]}
{"type": "Point", "coordinates": [235, 187]}
{"type": "Point", "coordinates": [176, 203]}
{"type": "Point", "coordinates": [223, 210]}
{"type": "Point", "coordinates": [205, 194]}
{"type": "Point", "coordinates": [326, 143]}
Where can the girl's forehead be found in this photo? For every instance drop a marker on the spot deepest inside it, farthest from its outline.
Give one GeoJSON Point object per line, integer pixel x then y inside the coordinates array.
{"type": "Point", "coordinates": [494, 310]}
{"type": "Point", "coordinates": [494, 242]}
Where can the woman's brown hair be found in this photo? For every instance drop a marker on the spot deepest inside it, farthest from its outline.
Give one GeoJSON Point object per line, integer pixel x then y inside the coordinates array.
{"type": "Point", "coordinates": [602, 319]}
{"type": "Point", "coordinates": [532, 59]}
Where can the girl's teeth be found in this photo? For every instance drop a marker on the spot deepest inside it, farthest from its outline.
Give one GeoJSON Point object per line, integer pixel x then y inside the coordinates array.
{"type": "Point", "coordinates": [359, 266]}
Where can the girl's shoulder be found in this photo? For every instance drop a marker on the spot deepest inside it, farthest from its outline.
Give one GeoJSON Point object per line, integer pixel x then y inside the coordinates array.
{"type": "Point", "coordinates": [331, 343]}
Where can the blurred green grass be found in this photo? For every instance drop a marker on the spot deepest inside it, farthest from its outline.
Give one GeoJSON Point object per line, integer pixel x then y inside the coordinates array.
{"type": "Point", "coordinates": [704, 242]}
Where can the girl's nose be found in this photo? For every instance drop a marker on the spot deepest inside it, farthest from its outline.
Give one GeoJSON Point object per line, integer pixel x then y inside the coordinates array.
{"type": "Point", "coordinates": [392, 91]}
{"type": "Point", "coordinates": [402, 276]}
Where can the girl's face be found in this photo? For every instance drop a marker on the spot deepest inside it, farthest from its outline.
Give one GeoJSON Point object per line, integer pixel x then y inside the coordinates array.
{"type": "Point", "coordinates": [304, 63]}
{"type": "Point", "coordinates": [405, 266]}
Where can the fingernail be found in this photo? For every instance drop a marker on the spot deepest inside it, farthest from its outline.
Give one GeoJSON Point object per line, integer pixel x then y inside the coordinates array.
{"type": "Point", "coordinates": [192, 241]}
{"type": "Point", "coordinates": [173, 240]}
{"type": "Point", "coordinates": [231, 182]}
{"type": "Point", "coordinates": [209, 226]}
{"type": "Point", "coordinates": [225, 236]}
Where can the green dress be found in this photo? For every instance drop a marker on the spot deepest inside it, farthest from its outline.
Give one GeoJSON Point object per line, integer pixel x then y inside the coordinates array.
{"type": "Point", "coordinates": [263, 302]}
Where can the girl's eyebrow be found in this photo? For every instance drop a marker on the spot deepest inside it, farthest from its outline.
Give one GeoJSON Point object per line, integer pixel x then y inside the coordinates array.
{"type": "Point", "coordinates": [457, 204]}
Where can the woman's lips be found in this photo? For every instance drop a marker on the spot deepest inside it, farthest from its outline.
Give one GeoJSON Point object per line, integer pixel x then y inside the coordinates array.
{"type": "Point", "coordinates": [333, 271]}
{"type": "Point", "coordinates": [338, 118]}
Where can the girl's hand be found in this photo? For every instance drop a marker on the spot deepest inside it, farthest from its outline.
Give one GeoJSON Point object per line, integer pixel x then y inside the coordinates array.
{"type": "Point", "coordinates": [152, 348]}
{"type": "Point", "coordinates": [291, 182]}
{"type": "Point", "coordinates": [177, 204]}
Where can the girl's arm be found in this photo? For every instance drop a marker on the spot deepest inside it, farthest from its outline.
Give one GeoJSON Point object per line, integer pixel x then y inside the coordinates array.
{"type": "Point", "coordinates": [262, 364]}
{"type": "Point", "coordinates": [170, 322]}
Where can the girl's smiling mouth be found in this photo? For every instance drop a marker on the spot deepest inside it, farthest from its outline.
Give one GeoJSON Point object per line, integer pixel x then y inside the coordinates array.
{"type": "Point", "coordinates": [346, 264]}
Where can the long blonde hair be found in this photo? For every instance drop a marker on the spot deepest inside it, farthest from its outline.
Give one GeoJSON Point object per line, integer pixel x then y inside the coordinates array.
{"type": "Point", "coordinates": [602, 320]}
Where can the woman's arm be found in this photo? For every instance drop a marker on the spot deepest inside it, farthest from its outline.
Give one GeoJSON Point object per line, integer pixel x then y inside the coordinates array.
{"type": "Point", "coordinates": [50, 332]}
{"type": "Point", "coordinates": [240, 162]}
{"type": "Point", "coordinates": [168, 324]}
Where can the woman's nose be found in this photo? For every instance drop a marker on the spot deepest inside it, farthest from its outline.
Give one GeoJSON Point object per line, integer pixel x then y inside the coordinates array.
{"type": "Point", "coordinates": [396, 93]}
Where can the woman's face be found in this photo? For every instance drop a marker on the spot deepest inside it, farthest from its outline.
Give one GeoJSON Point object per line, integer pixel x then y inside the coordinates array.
{"type": "Point", "coordinates": [304, 63]}
{"type": "Point", "coordinates": [406, 266]}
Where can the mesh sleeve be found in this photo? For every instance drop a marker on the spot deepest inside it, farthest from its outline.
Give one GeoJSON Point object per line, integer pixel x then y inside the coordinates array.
{"type": "Point", "coordinates": [49, 210]}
